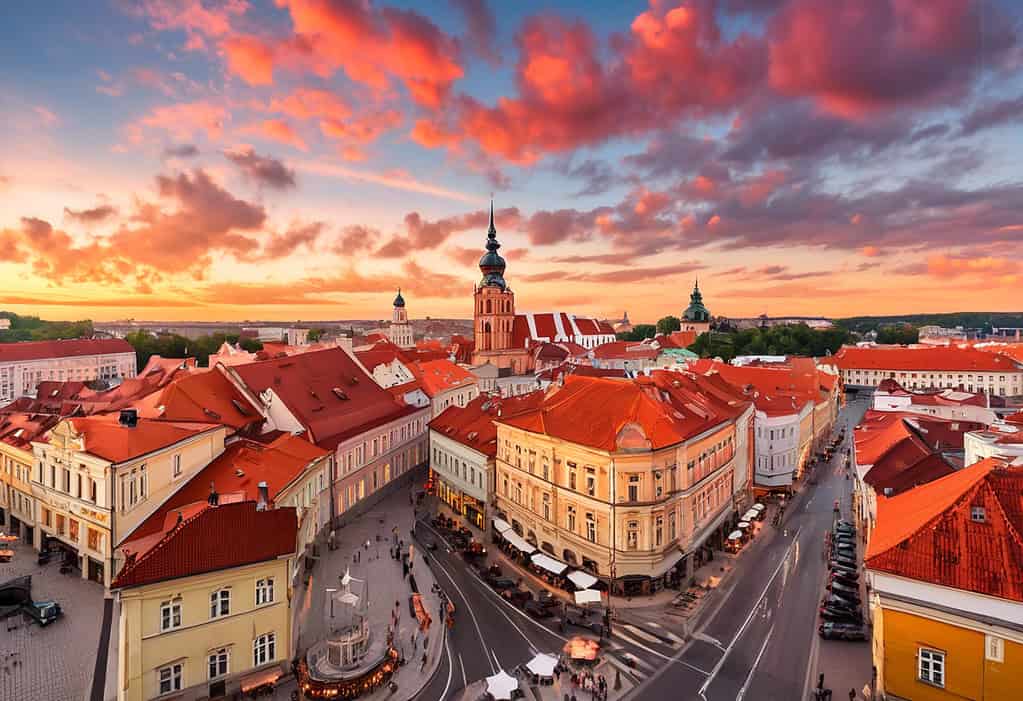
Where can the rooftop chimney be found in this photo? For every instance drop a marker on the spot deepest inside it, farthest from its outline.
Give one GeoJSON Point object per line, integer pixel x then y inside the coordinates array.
{"type": "Point", "coordinates": [214, 498]}
{"type": "Point", "coordinates": [129, 417]}
{"type": "Point", "coordinates": [264, 497]}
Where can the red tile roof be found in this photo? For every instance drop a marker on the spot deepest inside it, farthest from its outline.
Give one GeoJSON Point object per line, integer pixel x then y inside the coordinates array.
{"type": "Point", "coordinates": [20, 429]}
{"type": "Point", "coordinates": [206, 395]}
{"type": "Point", "coordinates": [236, 473]}
{"type": "Point", "coordinates": [436, 376]}
{"type": "Point", "coordinates": [105, 437]}
{"type": "Point", "coordinates": [1016, 418]}
{"type": "Point", "coordinates": [473, 425]}
{"type": "Point", "coordinates": [625, 350]}
{"type": "Point", "coordinates": [777, 390]}
{"type": "Point", "coordinates": [928, 534]}
{"type": "Point", "coordinates": [666, 407]}
{"type": "Point", "coordinates": [554, 373]}
{"type": "Point", "coordinates": [215, 538]}
{"type": "Point", "coordinates": [547, 325]}
{"type": "Point", "coordinates": [327, 391]}
{"type": "Point", "coordinates": [462, 348]}
{"type": "Point", "coordinates": [879, 432]}
{"type": "Point", "coordinates": [40, 350]}
{"type": "Point", "coordinates": [923, 359]}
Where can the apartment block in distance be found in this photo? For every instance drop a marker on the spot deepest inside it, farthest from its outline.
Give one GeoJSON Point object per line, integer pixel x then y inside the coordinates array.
{"type": "Point", "coordinates": [24, 365]}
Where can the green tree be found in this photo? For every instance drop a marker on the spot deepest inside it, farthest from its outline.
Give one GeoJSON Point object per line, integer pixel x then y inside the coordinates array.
{"type": "Point", "coordinates": [898, 334]}
{"type": "Point", "coordinates": [668, 324]}
{"type": "Point", "coordinates": [638, 333]}
{"type": "Point", "coordinates": [794, 339]}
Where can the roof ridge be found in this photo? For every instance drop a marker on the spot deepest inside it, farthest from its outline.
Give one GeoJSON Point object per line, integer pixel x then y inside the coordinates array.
{"type": "Point", "coordinates": [167, 536]}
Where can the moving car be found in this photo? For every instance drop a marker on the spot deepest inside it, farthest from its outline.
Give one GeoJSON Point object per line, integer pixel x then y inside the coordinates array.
{"type": "Point", "coordinates": [841, 631]}
{"type": "Point", "coordinates": [537, 610]}
{"type": "Point", "coordinates": [43, 612]}
{"type": "Point", "coordinates": [519, 597]}
{"type": "Point", "coordinates": [502, 583]}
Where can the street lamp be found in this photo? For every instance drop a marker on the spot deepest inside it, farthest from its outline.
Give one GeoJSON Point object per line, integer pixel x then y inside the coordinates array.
{"type": "Point", "coordinates": [330, 592]}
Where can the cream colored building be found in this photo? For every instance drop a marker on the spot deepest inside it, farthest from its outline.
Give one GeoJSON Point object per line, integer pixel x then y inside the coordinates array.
{"type": "Point", "coordinates": [931, 368]}
{"type": "Point", "coordinates": [630, 479]}
{"type": "Point", "coordinates": [96, 478]}
{"type": "Point", "coordinates": [204, 608]}
{"type": "Point", "coordinates": [24, 365]}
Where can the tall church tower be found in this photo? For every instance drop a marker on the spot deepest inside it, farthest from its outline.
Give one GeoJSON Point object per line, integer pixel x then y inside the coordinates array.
{"type": "Point", "coordinates": [494, 311]}
{"type": "Point", "coordinates": [400, 331]}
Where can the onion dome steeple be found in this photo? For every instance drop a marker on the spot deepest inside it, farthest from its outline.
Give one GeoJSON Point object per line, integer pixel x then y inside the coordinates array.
{"type": "Point", "coordinates": [492, 265]}
{"type": "Point", "coordinates": [696, 310]}
{"type": "Point", "coordinates": [399, 301]}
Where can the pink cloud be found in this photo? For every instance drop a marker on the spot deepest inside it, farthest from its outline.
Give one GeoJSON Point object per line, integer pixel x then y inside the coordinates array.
{"type": "Point", "coordinates": [185, 119]}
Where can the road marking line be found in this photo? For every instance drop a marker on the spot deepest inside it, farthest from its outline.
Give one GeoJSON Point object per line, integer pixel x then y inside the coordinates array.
{"type": "Point", "coordinates": [461, 664]}
{"type": "Point", "coordinates": [753, 669]}
{"type": "Point", "coordinates": [479, 632]}
{"type": "Point", "coordinates": [499, 665]}
{"type": "Point", "coordinates": [709, 640]}
{"type": "Point", "coordinates": [728, 650]}
{"type": "Point", "coordinates": [447, 685]}
{"type": "Point", "coordinates": [642, 634]}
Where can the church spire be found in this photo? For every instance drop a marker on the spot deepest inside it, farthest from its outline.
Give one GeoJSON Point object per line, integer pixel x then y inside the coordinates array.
{"type": "Point", "coordinates": [492, 231]}
{"type": "Point", "coordinates": [492, 265]}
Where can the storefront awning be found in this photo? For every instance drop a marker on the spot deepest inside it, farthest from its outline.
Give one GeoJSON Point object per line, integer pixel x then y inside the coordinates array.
{"type": "Point", "coordinates": [581, 580]}
{"type": "Point", "coordinates": [669, 561]}
{"type": "Point", "coordinates": [258, 679]}
{"type": "Point", "coordinates": [549, 563]}
{"type": "Point", "coordinates": [587, 596]}
{"type": "Point", "coordinates": [517, 541]}
{"type": "Point", "coordinates": [500, 525]}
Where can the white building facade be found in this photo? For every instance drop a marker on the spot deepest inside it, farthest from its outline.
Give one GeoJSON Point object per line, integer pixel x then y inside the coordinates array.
{"type": "Point", "coordinates": [778, 448]}
{"type": "Point", "coordinates": [25, 365]}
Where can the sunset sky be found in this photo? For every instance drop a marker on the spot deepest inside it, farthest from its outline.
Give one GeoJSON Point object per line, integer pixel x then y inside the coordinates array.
{"type": "Point", "coordinates": [234, 159]}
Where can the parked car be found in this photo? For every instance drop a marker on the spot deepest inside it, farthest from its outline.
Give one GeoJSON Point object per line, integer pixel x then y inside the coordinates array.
{"type": "Point", "coordinates": [502, 583]}
{"type": "Point", "coordinates": [843, 571]}
{"type": "Point", "coordinates": [44, 612]}
{"type": "Point", "coordinates": [547, 600]}
{"type": "Point", "coordinates": [584, 618]}
{"type": "Point", "coordinates": [841, 631]}
{"type": "Point", "coordinates": [850, 593]}
{"type": "Point", "coordinates": [840, 602]}
{"type": "Point", "coordinates": [841, 616]}
{"type": "Point", "coordinates": [845, 581]}
{"type": "Point", "coordinates": [537, 610]}
{"type": "Point", "coordinates": [839, 560]}
{"type": "Point", "coordinates": [845, 524]}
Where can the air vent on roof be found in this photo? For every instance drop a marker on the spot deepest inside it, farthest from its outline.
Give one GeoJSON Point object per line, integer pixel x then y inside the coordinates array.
{"type": "Point", "coordinates": [239, 473]}
{"type": "Point", "coordinates": [54, 393]}
{"type": "Point", "coordinates": [473, 435]}
{"type": "Point", "coordinates": [339, 393]}
{"type": "Point", "coordinates": [210, 413]}
{"type": "Point", "coordinates": [240, 408]}
{"type": "Point", "coordinates": [312, 393]}
{"type": "Point", "coordinates": [354, 380]}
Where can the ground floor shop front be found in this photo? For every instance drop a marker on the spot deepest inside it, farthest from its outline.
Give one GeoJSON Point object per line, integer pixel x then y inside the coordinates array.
{"type": "Point", "coordinates": [473, 510]}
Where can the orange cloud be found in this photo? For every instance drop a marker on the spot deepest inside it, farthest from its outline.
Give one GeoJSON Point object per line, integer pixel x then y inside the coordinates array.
{"type": "Point", "coordinates": [184, 120]}
{"type": "Point", "coordinates": [280, 131]}
{"type": "Point", "coordinates": [249, 58]}
{"type": "Point", "coordinates": [953, 266]}
{"type": "Point", "coordinates": [870, 251]}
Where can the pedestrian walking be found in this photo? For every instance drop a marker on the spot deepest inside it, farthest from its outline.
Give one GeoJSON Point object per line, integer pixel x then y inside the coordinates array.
{"type": "Point", "coordinates": [423, 666]}
{"type": "Point", "coordinates": [852, 694]}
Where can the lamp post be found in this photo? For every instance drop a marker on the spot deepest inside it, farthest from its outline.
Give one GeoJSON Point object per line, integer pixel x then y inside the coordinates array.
{"type": "Point", "coordinates": [330, 593]}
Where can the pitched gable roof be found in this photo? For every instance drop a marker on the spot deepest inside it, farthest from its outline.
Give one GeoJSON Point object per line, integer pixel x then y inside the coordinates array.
{"type": "Point", "coordinates": [928, 533]}
{"type": "Point", "coordinates": [215, 538]}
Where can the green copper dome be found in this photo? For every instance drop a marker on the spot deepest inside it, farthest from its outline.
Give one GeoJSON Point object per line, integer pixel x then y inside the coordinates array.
{"type": "Point", "coordinates": [696, 311]}
{"type": "Point", "coordinates": [399, 301]}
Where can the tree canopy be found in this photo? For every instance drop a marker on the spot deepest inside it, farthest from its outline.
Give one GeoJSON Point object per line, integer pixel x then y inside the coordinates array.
{"type": "Point", "coordinates": [32, 328]}
{"type": "Point", "coordinates": [793, 339]}
{"type": "Point", "coordinates": [898, 334]}
{"type": "Point", "coordinates": [174, 346]}
{"type": "Point", "coordinates": [638, 333]}
{"type": "Point", "coordinates": [669, 324]}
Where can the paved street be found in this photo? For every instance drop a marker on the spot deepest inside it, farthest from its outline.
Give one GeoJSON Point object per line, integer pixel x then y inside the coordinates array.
{"type": "Point", "coordinates": [755, 643]}
{"type": "Point", "coordinates": [34, 663]}
{"type": "Point", "coordinates": [759, 644]}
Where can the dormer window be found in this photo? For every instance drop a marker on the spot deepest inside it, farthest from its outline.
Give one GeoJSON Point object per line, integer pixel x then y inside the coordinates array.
{"type": "Point", "coordinates": [977, 514]}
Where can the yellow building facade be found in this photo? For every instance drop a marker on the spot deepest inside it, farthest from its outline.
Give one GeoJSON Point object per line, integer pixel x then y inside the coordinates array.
{"type": "Point", "coordinates": [214, 633]}
{"type": "Point", "coordinates": [925, 654]}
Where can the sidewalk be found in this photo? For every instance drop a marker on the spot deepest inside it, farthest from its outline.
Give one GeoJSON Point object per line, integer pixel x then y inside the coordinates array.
{"type": "Point", "coordinates": [374, 565]}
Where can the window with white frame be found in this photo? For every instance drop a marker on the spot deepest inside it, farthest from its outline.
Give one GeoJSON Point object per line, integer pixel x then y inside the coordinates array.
{"type": "Point", "coordinates": [264, 649]}
{"type": "Point", "coordinates": [219, 663]}
{"type": "Point", "coordinates": [170, 678]}
{"type": "Point", "coordinates": [977, 514]}
{"type": "Point", "coordinates": [220, 603]}
{"type": "Point", "coordinates": [994, 648]}
{"type": "Point", "coordinates": [932, 666]}
{"type": "Point", "coordinates": [177, 465]}
{"type": "Point", "coordinates": [170, 615]}
{"type": "Point", "coordinates": [264, 591]}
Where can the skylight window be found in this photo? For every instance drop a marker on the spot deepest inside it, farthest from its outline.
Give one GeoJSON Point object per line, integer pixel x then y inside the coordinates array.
{"type": "Point", "coordinates": [978, 514]}
{"type": "Point", "coordinates": [339, 393]}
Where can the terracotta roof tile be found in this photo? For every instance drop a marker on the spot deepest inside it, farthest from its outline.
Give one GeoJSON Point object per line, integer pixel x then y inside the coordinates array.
{"type": "Point", "coordinates": [436, 376]}
{"type": "Point", "coordinates": [105, 436]}
{"type": "Point", "coordinates": [215, 538]}
{"type": "Point", "coordinates": [39, 350]}
{"type": "Point", "coordinates": [666, 407]}
{"type": "Point", "coordinates": [473, 425]}
{"type": "Point", "coordinates": [928, 533]}
{"type": "Point", "coordinates": [236, 473]}
{"type": "Point", "coordinates": [327, 391]}
{"type": "Point", "coordinates": [924, 359]}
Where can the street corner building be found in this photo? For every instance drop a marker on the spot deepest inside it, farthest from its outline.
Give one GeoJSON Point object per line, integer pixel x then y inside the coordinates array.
{"type": "Point", "coordinates": [634, 480]}
{"type": "Point", "coordinates": [945, 574]}
{"type": "Point", "coordinates": [205, 603]}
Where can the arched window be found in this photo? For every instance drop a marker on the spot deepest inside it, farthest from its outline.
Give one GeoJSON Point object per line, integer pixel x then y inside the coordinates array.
{"type": "Point", "coordinates": [488, 306]}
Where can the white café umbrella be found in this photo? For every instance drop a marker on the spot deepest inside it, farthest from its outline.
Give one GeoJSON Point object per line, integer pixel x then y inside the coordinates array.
{"type": "Point", "coordinates": [542, 665]}
{"type": "Point", "coordinates": [587, 596]}
{"type": "Point", "coordinates": [502, 685]}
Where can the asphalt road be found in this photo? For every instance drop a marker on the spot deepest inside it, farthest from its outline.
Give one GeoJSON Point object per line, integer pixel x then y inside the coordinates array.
{"type": "Point", "coordinates": [759, 643]}
{"type": "Point", "coordinates": [756, 645]}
